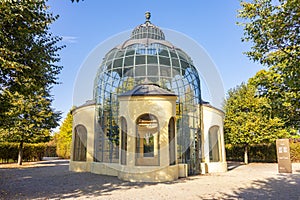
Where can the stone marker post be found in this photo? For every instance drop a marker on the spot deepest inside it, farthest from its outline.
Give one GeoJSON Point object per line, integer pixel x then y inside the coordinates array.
{"type": "Point", "coordinates": [283, 156]}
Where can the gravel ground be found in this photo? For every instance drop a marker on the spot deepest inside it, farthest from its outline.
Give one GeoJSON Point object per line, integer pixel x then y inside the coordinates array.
{"type": "Point", "coordinates": [52, 180]}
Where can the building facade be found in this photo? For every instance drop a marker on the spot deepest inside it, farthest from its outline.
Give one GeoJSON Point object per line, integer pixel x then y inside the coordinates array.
{"type": "Point", "coordinates": [147, 121]}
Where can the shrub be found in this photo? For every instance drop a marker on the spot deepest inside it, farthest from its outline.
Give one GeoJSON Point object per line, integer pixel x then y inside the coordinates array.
{"type": "Point", "coordinates": [295, 151]}
{"type": "Point", "coordinates": [31, 152]}
{"type": "Point", "coordinates": [50, 149]}
{"type": "Point", "coordinates": [8, 151]}
{"type": "Point", "coordinates": [261, 152]}
{"type": "Point", "coordinates": [234, 152]}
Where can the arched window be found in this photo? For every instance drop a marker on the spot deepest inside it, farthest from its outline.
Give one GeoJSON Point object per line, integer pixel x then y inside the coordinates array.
{"type": "Point", "coordinates": [79, 151]}
{"type": "Point", "coordinates": [147, 148]}
{"type": "Point", "coordinates": [214, 144]}
{"type": "Point", "coordinates": [123, 141]}
{"type": "Point", "coordinates": [172, 145]}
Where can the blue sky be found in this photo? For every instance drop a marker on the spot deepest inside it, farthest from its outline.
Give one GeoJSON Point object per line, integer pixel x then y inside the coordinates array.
{"type": "Point", "coordinates": [212, 24]}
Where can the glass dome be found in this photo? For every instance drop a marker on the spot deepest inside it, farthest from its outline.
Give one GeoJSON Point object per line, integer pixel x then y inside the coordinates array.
{"type": "Point", "coordinates": [147, 56]}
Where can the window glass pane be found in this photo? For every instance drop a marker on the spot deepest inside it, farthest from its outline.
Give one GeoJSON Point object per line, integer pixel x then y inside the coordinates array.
{"type": "Point", "coordinates": [152, 59]}
{"type": "Point", "coordinates": [181, 55]}
{"type": "Point", "coordinates": [173, 54]}
{"type": "Point", "coordinates": [130, 52]}
{"type": "Point", "coordinates": [140, 80]}
{"type": "Point", "coordinates": [184, 65]}
{"type": "Point", "coordinates": [119, 54]}
{"type": "Point", "coordinates": [151, 51]}
{"type": "Point", "coordinates": [140, 71]}
{"type": "Point", "coordinates": [164, 61]}
{"type": "Point", "coordinates": [152, 70]}
{"type": "Point", "coordinates": [108, 65]}
{"type": "Point", "coordinates": [165, 71]}
{"type": "Point", "coordinates": [164, 52]}
{"type": "Point", "coordinates": [166, 83]}
{"type": "Point", "coordinates": [153, 79]}
{"type": "Point", "coordinates": [128, 71]}
{"type": "Point", "coordinates": [118, 63]}
{"type": "Point", "coordinates": [111, 55]}
{"type": "Point", "coordinates": [140, 60]}
{"type": "Point", "coordinates": [175, 72]}
{"type": "Point", "coordinates": [175, 62]}
{"type": "Point", "coordinates": [128, 61]}
{"type": "Point", "coordinates": [141, 50]}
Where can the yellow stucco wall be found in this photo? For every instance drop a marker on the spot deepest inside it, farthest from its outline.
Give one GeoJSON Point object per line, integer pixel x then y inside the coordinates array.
{"type": "Point", "coordinates": [163, 107]}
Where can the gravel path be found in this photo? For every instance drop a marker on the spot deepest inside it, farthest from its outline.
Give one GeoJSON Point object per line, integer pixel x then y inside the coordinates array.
{"type": "Point", "coordinates": [52, 180]}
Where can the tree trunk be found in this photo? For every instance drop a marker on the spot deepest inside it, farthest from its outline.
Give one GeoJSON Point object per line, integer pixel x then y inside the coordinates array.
{"type": "Point", "coordinates": [246, 154]}
{"type": "Point", "coordinates": [20, 156]}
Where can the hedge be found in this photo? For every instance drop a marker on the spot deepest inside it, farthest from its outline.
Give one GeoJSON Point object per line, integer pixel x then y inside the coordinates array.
{"type": "Point", "coordinates": [261, 152]}
{"type": "Point", "coordinates": [295, 151]}
{"type": "Point", "coordinates": [31, 152]}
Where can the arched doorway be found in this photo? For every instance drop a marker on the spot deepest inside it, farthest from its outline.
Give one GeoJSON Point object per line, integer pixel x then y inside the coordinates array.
{"type": "Point", "coordinates": [123, 141]}
{"type": "Point", "coordinates": [79, 149]}
{"type": "Point", "coordinates": [172, 145]}
{"type": "Point", "coordinates": [147, 140]}
{"type": "Point", "coordinates": [214, 144]}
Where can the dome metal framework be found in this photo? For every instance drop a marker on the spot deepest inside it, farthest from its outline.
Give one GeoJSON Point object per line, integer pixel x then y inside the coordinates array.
{"type": "Point", "coordinates": [147, 56]}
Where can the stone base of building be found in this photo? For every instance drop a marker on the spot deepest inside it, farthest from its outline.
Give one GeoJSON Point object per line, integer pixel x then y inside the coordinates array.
{"type": "Point", "coordinates": [77, 166]}
{"type": "Point", "coordinates": [149, 174]}
{"type": "Point", "coordinates": [144, 173]}
{"type": "Point", "coordinates": [213, 167]}
{"type": "Point", "coordinates": [132, 174]}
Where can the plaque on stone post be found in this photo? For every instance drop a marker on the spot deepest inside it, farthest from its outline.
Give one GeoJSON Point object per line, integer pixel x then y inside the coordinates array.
{"type": "Point", "coordinates": [283, 156]}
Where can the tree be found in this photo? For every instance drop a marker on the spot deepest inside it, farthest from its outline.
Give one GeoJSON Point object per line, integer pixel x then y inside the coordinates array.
{"type": "Point", "coordinates": [273, 27]}
{"type": "Point", "coordinates": [28, 53]}
{"type": "Point", "coordinates": [63, 138]}
{"type": "Point", "coordinates": [248, 119]}
{"type": "Point", "coordinates": [282, 103]}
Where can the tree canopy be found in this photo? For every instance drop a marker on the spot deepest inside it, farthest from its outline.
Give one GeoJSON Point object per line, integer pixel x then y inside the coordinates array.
{"type": "Point", "coordinates": [63, 138]}
{"type": "Point", "coordinates": [248, 118]}
{"type": "Point", "coordinates": [273, 28]}
{"type": "Point", "coordinates": [28, 70]}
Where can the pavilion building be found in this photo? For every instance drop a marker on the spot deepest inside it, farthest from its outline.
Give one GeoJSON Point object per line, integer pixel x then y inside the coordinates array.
{"type": "Point", "coordinates": [147, 121]}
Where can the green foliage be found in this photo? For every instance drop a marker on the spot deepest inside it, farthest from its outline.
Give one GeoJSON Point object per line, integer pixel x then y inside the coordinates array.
{"type": "Point", "coordinates": [8, 151]}
{"type": "Point", "coordinates": [28, 54]}
{"type": "Point", "coordinates": [63, 138]}
{"type": "Point", "coordinates": [295, 151]}
{"type": "Point", "coordinates": [273, 29]}
{"type": "Point", "coordinates": [32, 152]}
{"type": "Point", "coordinates": [248, 119]}
{"type": "Point", "coordinates": [51, 149]}
{"type": "Point", "coordinates": [257, 152]}
{"type": "Point", "coordinates": [260, 152]}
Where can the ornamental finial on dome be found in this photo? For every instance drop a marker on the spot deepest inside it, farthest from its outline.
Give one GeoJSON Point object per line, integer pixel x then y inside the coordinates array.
{"type": "Point", "coordinates": [148, 16]}
{"type": "Point", "coordinates": [147, 30]}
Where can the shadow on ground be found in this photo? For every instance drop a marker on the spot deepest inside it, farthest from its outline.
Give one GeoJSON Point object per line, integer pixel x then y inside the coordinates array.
{"type": "Point", "coordinates": [283, 186]}
{"type": "Point", "coordinates": [232, 165]}
{"type": "Point", "coordinates": [52, 179]}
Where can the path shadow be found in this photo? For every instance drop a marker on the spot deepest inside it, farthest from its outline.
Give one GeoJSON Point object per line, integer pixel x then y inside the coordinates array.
{"type": "Point", "coordinates": [284, 186]}
{"type": "Point", "coordinates": [233, 165]}
{"type": "Point", "coordinates": [54, 180]}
